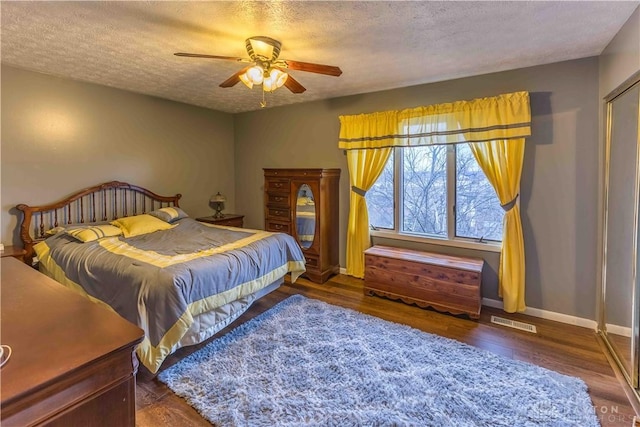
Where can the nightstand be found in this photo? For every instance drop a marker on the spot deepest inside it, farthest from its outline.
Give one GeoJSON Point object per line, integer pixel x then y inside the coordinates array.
{"type": "Point", "coordinates": [230, 220]}
{"type": "Point", "coordinates": [13, 251]}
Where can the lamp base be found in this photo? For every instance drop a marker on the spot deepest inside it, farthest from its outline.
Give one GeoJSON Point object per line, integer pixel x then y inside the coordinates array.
{"type": "Point", "coordinates": [218, 214]}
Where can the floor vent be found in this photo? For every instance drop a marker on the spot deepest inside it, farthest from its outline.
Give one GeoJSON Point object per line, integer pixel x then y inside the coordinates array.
{"type": "Point", "coordinates": [513, 324]}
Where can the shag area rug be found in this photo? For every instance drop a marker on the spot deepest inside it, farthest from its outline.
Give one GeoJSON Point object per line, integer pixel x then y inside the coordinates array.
{"type": "Point", "coordinates": [308, 363]}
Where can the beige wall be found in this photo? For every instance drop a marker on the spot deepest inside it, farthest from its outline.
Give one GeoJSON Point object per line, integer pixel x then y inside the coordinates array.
{"type": "Point", "coordinates": [59, 136]}
{"type": "Point", "coordinates": [559, 193]}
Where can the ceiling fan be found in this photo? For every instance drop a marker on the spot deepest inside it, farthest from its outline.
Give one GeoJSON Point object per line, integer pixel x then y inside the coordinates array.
{"type": "Point", "coordinates": [266, 68]}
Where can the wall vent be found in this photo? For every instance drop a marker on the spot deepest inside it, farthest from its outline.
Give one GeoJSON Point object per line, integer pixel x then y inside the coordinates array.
{"type": "Point", "coordinates": [514, 324]}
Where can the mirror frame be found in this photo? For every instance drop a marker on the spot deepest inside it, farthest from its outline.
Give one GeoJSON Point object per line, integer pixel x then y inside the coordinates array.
{"type": "Point", "coordinates": [315, 217]}
{"type": "Point", "coordinates": [631, 377]}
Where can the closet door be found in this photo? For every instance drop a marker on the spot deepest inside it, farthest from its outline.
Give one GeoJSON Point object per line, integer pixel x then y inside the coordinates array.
{"type": "Point", "coordinates": [619, 323]}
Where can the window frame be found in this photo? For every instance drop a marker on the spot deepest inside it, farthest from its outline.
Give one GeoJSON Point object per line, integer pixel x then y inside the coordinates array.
{"type": "Point", "coordinates": [451, 239]}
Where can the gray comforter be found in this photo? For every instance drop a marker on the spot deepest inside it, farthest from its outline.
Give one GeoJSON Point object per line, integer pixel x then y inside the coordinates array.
{"type": "Point", "coordinates": [161, 280]}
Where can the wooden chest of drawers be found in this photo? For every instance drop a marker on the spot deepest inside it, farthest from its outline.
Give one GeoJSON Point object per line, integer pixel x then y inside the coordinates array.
{"type": "Point", "coordinates": [443, 282]}
{"type": "Point", "coordinates": [316, 231]}
{"type": "Point", "coordinates": [72, 362]}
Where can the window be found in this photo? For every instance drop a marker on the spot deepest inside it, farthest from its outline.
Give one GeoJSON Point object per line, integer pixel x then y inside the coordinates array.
{"type": "Point", "coordinates": [435, 191]}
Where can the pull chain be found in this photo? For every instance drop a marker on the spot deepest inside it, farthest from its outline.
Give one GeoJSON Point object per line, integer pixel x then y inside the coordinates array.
{"type": "Point", "coordinates": [263, 103]}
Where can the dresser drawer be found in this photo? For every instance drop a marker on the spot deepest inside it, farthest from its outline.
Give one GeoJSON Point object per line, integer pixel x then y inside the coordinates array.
{"type": "Point", "coordinates": [236, 222]}
{"type": "Point", "coordinates": [279, 185]}
{"type": "Point", "coordinates": [281, 227]}
{"type": "Point", "coordinates": [311, 260]}
{"type": "Point", "coordinates": [278, 199]}
{"type": "Point", "coordinates": [279, 213]}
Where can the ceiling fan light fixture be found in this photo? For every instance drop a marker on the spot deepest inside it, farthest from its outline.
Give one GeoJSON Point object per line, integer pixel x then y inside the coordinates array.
{"type": "Point", "coordinates": [264, 47]}
{"type": "Point", "coordinates": [266, 68]}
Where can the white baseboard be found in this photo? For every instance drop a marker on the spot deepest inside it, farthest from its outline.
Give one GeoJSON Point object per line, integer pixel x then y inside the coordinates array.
{"type": "Point", "coordinates": [343, 270]}
{"type": "Point", "coordinates": [549, 315]}
{"type": "Point", "coordinates": [624, 331]}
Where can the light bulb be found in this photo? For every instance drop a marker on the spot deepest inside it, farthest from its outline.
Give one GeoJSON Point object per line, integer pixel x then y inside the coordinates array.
{"type": "Point", "coordinates": [268, 85]}
{"type": "Point", "coordinates": [255, 74]}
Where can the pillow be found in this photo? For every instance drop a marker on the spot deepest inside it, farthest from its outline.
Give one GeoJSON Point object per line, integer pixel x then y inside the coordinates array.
{"type": "Point", "coordinates": [54, 231]}
{"type": "Point", "coordinates": [89, 234]}
{"type": "Point", "coordinates": [169, 214]}
{"type": "Point", "coordinates": [140, 224]}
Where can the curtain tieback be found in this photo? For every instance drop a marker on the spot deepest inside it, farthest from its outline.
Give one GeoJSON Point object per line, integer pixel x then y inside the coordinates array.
{"type": "Point", "coordinates": [358, 191]}
{"type": "Point", "coordinates": [508, 206]}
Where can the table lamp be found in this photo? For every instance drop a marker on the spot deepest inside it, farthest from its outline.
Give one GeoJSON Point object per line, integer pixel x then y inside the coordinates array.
{"type": "Point", "coordinates": [217, 203]}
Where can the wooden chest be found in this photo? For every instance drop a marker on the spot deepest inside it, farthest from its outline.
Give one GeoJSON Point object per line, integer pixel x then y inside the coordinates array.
{"type": "Point", "coordinates": [445, 283]}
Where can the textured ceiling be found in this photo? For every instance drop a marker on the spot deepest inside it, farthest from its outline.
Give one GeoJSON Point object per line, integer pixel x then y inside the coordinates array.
{"type": "Point", "coordinates": [378, 45]}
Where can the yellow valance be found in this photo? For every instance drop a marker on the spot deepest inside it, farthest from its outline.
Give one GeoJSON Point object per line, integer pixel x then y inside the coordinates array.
{"type": "Point", "coordinates": [501, 117]}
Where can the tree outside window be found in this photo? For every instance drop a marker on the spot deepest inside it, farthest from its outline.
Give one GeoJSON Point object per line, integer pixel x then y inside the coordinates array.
{"type": "Point", "coordinates": [441, 192]}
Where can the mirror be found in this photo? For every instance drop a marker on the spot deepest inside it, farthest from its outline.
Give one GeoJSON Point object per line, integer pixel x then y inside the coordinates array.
{"type": "Point", "coordinates": [619, 318]}
{"type": "Point", "coordinates": [305, 216]}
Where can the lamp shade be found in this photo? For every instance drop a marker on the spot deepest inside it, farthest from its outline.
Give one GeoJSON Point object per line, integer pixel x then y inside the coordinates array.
{"type": "Point", "coordinates": [218, 198]}
{"type": "Point", "coordinates": [246, 80]}
{"type": "Point", "coordinates": [275, 80]}
{"type": "Point", "coordinates": [255, 74]}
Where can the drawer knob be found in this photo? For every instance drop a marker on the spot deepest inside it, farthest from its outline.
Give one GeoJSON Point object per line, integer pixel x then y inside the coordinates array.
{"type": "Point", "coordinates": [277, 185]}
{"type": "Point", "coordinates": [278, 199]}
{"type": "Point", "coordinates": [278, 227]}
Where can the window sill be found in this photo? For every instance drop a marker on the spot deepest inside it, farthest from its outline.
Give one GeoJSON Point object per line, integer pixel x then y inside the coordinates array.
{"type": "Point", "coordinates": [486, 247]}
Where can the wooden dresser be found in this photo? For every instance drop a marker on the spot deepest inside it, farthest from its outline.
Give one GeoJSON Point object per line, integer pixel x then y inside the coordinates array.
{"type": "Point", "coordinates": [446, 283]}
{"type": "Point", "coordinates": [13, 251]}
{"type": "Point", "coordinates": [72, 361]}
{"type": "Point", "coordinates": [293, 198]}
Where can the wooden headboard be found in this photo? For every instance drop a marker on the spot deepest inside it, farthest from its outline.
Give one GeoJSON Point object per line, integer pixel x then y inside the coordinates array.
{"type": "Point", "coordinates": [101, 203]}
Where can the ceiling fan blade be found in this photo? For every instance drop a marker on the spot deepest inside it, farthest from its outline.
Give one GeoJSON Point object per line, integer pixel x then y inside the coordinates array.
{"type": "Point", "coordinates": [313, 68]}
{"type": "Point", "coordinates": [293, 85]}
{"type": "Point", "coordinates": [234, 79]}
{"type": "Point", "coordinates": [199, 55]}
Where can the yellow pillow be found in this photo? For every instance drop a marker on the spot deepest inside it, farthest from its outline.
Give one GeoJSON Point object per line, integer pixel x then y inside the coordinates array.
{"type": "Point", "coordinates": [140, 224]}
{"type": "Point", "coordinates": [54, 231]}
{"type": "Point", "coordinates": [89, 234]}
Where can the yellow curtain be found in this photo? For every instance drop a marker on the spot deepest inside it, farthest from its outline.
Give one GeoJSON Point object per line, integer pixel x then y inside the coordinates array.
{"type": "Point", "coordinates": [505, 116]}
{"type": "Point", "coordinates": [501, 161]}
{"type": "Point", "coordinates": [495, 127]}
{"type": "Point", "coordinates": [365, 166]}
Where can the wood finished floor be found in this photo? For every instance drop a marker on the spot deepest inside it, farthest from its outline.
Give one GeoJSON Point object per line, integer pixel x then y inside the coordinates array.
{"type": "Point", "coordinates": [563, 348]}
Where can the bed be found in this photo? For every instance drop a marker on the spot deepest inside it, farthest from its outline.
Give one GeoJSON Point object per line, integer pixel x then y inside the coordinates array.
{"type": "Point", "coordinates": [140, 255]}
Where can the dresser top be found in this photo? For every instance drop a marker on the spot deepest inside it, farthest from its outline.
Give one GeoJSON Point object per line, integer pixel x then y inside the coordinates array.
{"type": "Point", "coordinates": [51, 330]}
{"type": "Point", "coordinates": [300, 172]}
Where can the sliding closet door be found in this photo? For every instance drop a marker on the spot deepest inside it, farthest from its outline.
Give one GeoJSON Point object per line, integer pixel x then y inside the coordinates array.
{"type": "Point", "coordinates": [619, 322]}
